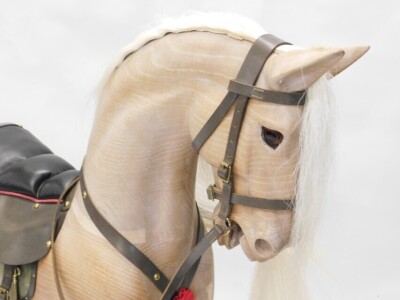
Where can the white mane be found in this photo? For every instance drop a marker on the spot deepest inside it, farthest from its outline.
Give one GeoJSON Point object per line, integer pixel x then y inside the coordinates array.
{"type": "Point", "coordinates": [233, 25]}
{"type": "Point", "coordinates": [285, 277]}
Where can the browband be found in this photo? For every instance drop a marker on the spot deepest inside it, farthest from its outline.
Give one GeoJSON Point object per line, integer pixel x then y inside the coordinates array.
{"type": "Point", "coordinates": [252, 91]}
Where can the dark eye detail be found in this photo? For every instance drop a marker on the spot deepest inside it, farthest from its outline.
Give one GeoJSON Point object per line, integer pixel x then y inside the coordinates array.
{"type": "Point", "coordinates": [271, 137]}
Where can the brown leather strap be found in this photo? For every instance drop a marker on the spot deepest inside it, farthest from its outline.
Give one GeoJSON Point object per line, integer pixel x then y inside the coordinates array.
{"type": "Point", "coordinates": [225, 169]}
{"type": "Point", "coordinates": [194, 256]}
{"type": "Point", "coordinates": [200, 235]}
{"type": "Point", "coordinates": [261, 49]}
{"type": "Point", "coordinates": [252, 91]}
{"type": "Point", "coordinates": [215, 119]}
{"type": "Point", "coordinates": [56, 227]}
{"type": "Point", "coordinates": [6, 282]}
{"type": "Point", "coordinates": [271, 204]}
{"type": "Point", "coordinates": [132, 253]}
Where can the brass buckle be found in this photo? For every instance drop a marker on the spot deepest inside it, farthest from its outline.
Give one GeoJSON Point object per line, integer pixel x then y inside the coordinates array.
{"type": "Point", "coordinates": [228, 227]}
{"type": "Point", "coordinates": [4, 291]}
{"type": "Point", "coordinates": [210, 192]}
{"type": "Point", "coordinates": [227, 167]}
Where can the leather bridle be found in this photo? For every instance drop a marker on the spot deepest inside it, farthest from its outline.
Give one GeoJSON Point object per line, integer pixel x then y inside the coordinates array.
{"type": "Point", "coordinates": [240, 91]}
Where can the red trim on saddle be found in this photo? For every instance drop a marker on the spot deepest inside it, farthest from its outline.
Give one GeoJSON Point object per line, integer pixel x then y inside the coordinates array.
{"type": "Point", "coordinates": [22, 196]}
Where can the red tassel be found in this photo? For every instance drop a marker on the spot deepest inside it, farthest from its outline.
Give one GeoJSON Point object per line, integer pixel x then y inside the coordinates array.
{"type": "Point", "coordinates": [184, 294]}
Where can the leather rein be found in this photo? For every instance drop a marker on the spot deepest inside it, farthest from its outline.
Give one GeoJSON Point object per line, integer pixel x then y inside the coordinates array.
{"type": "Point", "coordinates": [240, 91]}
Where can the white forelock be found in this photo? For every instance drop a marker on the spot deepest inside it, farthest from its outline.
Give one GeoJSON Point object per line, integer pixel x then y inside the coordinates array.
{"type": "Point", "coordinates": [285, 277]}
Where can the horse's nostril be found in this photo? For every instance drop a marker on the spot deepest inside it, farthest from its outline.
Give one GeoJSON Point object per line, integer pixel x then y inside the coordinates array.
{"type": "Point", "coordinates": [262, 245]}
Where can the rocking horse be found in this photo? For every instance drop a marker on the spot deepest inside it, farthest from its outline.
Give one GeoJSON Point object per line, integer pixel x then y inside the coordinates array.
{"type": "Point", "coordinates": [251, 105]}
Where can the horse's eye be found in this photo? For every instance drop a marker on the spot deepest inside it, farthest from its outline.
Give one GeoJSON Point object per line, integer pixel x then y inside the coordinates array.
{"type": "Point", "coordinates": [271, 137]}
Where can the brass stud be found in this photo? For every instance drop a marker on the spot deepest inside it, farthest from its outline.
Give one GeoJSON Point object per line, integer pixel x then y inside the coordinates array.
{"type": "Point", "coordinates": [36, 205]}
{"type": "Point", "coordinates": [48, 244]}
{"type": "Point", "coordinates": [67, 203]}
{"type": "Point", "coordinates": [84, 194]}
{"type": "Point", "coordinates": [157, 277]}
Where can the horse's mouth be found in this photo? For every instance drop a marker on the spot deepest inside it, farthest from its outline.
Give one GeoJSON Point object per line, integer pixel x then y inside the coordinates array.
{"type": "Point", "coordinates": [231, 238]}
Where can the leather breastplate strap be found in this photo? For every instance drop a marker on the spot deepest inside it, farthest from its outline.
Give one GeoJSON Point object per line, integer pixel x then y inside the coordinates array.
{"type": "Point", "coordinates": [132, 253]}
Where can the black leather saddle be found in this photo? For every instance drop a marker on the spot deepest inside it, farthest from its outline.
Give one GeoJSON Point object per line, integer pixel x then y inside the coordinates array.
{"type": "Point", "coordinates": [30, 168]}
{"type": "Point", "coordinates": [32, 179]}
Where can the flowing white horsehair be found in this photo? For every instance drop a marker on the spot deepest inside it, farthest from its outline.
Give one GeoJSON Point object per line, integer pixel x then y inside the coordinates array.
{"type": "Point", "coordinates": [232, 25]}
{"type": "Point", "coordinates": [284, 277]}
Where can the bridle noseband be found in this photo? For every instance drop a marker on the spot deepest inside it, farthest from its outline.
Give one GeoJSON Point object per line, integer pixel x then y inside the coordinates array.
{"type": "Point", "coordinates": [240, 91]}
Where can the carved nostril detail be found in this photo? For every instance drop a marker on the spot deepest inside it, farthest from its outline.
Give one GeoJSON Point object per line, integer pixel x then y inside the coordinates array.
{"type": "Point", "coordinates": [262, 245]}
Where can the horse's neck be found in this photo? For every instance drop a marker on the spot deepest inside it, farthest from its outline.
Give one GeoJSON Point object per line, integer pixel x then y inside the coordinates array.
{"type": "Point", "coordinates": [140, 171]}
{"type": "Point", "coordinates": [140, 165]}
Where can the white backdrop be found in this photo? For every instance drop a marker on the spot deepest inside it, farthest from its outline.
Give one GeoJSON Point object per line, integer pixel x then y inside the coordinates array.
{"type": "Point", "coordinates": [53, 54]}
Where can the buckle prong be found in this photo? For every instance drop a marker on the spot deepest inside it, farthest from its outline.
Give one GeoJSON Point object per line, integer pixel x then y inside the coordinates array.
{"type": "Point", "coordinates": [228, 226]}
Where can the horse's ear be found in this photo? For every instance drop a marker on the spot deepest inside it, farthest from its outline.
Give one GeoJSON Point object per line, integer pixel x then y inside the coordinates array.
{"type": "Point", "coordinates": [297, 69]}
{"type": "Point", "coordinates": [351, 55]}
